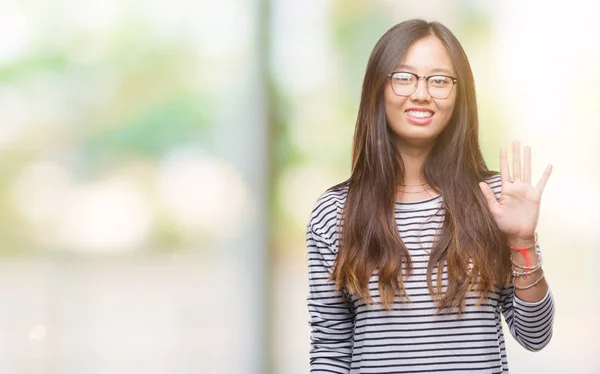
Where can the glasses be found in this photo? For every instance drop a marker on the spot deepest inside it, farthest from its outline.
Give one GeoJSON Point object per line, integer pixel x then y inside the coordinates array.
{"type": "Point", "coordinates": [438, 86]}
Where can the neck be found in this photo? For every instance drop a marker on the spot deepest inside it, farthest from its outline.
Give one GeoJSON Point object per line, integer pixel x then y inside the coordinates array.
{"type": "Point", "coordinates": [413, 160]}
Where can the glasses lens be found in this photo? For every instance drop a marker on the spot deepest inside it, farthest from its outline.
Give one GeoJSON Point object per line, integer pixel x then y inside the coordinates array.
{"type": "Point", "coordinates": [439, 87]}
{"type": "Point", "coordinates": [404, 84]}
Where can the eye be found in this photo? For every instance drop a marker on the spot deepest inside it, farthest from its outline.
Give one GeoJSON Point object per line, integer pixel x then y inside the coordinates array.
{"type": "Point", "coordinates": [439, 81]}
{"type": "Point", "coordinates": [403, 78]}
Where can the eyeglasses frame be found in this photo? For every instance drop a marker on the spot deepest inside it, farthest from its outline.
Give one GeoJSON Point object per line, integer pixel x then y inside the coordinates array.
{"type": "Point", "coordinates": [426, 77]}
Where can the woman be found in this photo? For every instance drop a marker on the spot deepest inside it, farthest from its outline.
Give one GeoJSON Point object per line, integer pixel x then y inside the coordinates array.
{"type": "Point", "coordinates": [415, 257]}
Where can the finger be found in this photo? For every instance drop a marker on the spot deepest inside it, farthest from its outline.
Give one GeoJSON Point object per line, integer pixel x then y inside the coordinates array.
{"type": "Point", "coordinates": [504, 170]}
{"type": "Point", "coordinates": [527, 165]}
{"type": "Point", "coordinates": [489, 196]}
{"type": "Point", "coordinates": [517, 168]}
{"type": "Point", "coordinates": [543, 180]}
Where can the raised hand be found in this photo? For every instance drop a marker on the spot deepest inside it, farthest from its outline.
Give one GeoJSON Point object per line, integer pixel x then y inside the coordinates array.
{"type": "Point", "coordinates": [516, 212]}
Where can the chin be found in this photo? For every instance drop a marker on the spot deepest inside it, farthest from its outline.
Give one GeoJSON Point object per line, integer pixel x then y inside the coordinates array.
{"type": "Point", "coordinates": [417, 139]}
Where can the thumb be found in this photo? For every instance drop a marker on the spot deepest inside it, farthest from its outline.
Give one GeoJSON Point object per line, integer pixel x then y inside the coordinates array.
{"type": "Point", "coordinates": [489, 196]}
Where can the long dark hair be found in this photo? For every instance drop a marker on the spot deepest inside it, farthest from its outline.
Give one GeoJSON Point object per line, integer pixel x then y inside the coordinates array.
{"type": "Point", "coordinates": [470, 243]}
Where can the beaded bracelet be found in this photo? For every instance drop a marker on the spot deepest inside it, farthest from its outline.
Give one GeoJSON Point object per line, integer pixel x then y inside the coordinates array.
{"type": "Point", "coordinates": [532, 284]}
{"type": "Point", "coordinates": [527, 270]}
{"type": "Point", "coordinates": [525, 273]}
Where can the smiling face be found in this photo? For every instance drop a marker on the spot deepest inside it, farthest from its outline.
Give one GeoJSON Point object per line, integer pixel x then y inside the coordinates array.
{"type": "Point", "coordinates": [416, 120]}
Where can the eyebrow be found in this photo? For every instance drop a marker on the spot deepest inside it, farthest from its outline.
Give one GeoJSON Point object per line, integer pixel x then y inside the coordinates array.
{"type": "Point", "coordinates": [435, 71]}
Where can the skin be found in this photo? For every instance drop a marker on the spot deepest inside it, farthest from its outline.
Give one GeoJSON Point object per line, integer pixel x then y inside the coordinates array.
{"type": "Point", "coordinates": [516, 212]}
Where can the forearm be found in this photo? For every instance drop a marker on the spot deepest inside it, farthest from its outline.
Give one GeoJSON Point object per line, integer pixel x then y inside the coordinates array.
{"type": "Point", "coordinates": [528, 305]}
{"type": "Point", "coordinates": [331, 318]}
{"type": "Point", "coordinates": [530, 323]}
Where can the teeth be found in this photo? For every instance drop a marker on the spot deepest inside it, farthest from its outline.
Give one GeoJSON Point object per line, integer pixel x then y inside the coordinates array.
{"type": "Point", "coordinates": [414, 113]}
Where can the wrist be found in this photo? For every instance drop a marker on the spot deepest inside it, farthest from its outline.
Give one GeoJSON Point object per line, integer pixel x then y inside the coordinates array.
{"type": "Point", "coordinates": [523, 249]}
{"type": "Point", "coordinates": [518, 242]}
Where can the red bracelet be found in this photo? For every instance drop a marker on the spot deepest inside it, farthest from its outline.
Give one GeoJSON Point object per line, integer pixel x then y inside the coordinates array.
{"type": "Point", "coordinates": [525, 254]}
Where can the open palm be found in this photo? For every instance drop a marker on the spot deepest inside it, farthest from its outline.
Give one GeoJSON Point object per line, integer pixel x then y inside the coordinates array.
{"type": "Point", "coordinates": [516, 212]}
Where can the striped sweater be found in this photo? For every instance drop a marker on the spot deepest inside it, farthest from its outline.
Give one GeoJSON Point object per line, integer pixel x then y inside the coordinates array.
{"type": "Point", "coordinates": [348, 336]}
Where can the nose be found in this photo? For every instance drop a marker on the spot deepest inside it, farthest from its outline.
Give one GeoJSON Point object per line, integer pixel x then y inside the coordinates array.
{"type": "Point", "coordinates": [421, 93]}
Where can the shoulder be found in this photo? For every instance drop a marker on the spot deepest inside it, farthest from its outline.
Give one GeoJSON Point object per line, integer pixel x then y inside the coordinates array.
{"type": "Point", "coordinates": [327, 211]}
{"type": "Point", "coordinates": [495, 183]}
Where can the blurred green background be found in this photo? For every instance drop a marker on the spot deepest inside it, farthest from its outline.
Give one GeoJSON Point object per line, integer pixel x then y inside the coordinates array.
{"type": "Point", "coordinates": [159, 161]}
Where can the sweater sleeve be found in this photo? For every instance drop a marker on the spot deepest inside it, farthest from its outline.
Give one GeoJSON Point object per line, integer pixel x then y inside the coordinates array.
{"type": "Point", "coordinates": [529, 323]}
{"type": "Point", "coordinates": [331, 318]}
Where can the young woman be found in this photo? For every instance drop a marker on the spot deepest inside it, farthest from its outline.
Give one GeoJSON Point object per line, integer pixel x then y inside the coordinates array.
{"type": "Point", "coordinates": [415, 257]}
